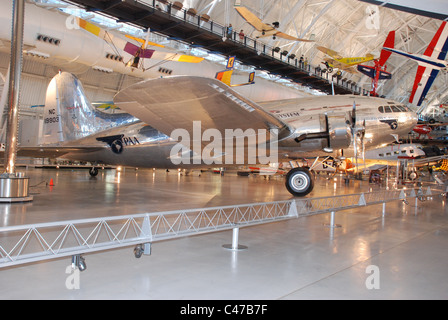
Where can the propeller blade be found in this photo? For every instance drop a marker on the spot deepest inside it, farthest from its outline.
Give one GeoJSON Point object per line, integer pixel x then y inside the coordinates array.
{"type": "Point", "coordinates": [354, 114]}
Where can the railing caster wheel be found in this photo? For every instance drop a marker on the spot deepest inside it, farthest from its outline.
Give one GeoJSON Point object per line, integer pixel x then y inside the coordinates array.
{"type": "Point", "coordinates": [138, 251]}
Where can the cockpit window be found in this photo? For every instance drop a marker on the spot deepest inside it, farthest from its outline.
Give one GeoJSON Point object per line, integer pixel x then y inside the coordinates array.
{"type": "Point", "coordinates": [395, 109]}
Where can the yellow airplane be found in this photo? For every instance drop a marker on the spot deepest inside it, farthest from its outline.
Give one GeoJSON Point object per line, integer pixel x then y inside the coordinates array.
{"type": "Point", "coordinates": [343, 63]}
{"type": "Point", "coordinates": [265, 29]}
{"type": "Point", "coordinates": [138, 52]}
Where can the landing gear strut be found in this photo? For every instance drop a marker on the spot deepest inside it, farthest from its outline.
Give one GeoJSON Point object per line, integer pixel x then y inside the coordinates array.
{"type": "Point", "coordinates": [299, 182]}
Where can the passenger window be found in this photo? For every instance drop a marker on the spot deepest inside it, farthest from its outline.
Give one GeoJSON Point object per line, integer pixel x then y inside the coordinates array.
{"type": "Point", "coordinates": [381, 154]}
{"type": "Point", "coordinates": [388, 154]}
{"type": "Point", "coordinates": [387, 109]}
{"type": "Point", "coordinates": [381, 109]}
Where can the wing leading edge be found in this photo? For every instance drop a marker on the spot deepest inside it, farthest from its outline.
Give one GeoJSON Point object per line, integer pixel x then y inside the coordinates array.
{"type": "Point", "coordinates": [171, 103]}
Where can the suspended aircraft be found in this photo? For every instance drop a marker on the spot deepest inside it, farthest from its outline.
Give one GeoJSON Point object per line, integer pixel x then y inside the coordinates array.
{"type": "Point", "coordinates": [265, 29]}
{"type": "Point", "coordinates": [395, 152]}
{"type": "Point", "coordinates": [137, 52]}
{"type": "Point", "coordinates": [54, 38]}
{"type": "Point", "coordinates": [211, 114]}
{"type": "Point", "coordinates": [423, 129]}
{"type": "Point", "coordinates": [340, 62]}
{"type": "Point", "coordinates": [429, 64]}
{"type": "Point", "coordinates": [378, 71]}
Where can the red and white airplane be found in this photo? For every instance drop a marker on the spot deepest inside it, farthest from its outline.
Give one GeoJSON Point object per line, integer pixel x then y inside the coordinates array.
{"type": "Point", "coordinates": [423, 129]}
{"type": "Point", "coordinates": [429, 64]}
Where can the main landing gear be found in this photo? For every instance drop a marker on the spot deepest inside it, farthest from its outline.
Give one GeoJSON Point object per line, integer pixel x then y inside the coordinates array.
{"type": "Point", "coordinates": [93, 171]}
{"type": "Point", "coordinates": [299, 181]}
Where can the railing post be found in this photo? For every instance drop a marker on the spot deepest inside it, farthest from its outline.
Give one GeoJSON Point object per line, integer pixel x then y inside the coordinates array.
{"type": "Point", "coordinates": [332, 224]}
{"type": "Point", "coordinates": [235, 246]}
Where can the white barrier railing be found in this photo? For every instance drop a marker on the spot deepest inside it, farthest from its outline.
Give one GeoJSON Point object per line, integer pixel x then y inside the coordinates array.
{"type": "Point", "coordinates": [30, 243]}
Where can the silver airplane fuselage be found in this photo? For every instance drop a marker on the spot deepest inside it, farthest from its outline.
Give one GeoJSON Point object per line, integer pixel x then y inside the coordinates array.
{"type": "Point", "coordinates": [140, 145]}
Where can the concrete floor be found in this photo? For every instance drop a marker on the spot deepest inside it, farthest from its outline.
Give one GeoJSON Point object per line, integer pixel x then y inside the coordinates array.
{"type": "Point", "coordinates": [294, 259]}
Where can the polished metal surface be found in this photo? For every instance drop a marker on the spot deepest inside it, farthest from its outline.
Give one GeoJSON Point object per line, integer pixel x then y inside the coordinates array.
{"type": "Point", "coordinates": [295, 259]}
{"type": "Point", "coordinates": [68, 114]}
{"type": "Point", "coordinates": [14, 187]}
{"type": "Point", "coordinates": [14, 85]}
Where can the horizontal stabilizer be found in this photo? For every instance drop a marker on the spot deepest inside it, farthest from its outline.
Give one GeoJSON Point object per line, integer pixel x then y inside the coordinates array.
{"type": "Point", "coordinates": [370, 72]}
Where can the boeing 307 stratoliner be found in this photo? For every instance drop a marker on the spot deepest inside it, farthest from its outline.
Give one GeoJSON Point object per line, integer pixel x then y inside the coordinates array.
{"type": "Point", "coordinates": [143, 137]}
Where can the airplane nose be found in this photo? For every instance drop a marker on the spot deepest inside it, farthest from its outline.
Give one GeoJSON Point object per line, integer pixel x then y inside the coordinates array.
{"type": "Point", "coordinates": [413, 120]}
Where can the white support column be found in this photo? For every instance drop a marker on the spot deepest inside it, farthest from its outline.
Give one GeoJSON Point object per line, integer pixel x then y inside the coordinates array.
{"type": "Point", "coordinates": [235, 246]}
{"type": "Point", "coordinates": [332, 224]}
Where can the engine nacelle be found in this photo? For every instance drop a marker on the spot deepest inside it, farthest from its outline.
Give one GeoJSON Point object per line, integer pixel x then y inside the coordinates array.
{"type": "Point", "coordinates": [340, 136]}
{"type": "Point", "coordinates": [326, 132]}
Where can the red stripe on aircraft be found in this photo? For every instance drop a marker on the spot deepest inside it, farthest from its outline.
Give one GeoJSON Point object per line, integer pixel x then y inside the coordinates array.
{"type": "Point", "coordinates": [429, 51]}
{"type": "Point", "coordinates": [418, 79]}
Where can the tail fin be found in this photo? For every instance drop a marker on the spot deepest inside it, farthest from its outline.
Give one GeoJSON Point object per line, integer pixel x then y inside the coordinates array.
{"type": "Point", "coordinates": [389, 43]}
{"type": "Point", "coordinates": [68, 115]}
{"type": "Point", "coordinates": [226, 75]}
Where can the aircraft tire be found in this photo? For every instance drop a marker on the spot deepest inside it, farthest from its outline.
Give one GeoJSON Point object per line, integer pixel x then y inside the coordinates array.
{"type": "Point", "coordinates": [299, 182]}
{"type": "Point", "coordinates": [93, 171]}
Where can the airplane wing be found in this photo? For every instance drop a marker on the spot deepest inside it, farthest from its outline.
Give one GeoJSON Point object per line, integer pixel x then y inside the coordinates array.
{"type": "Point", "coordinates": [253, 20]}
{"type": "Point", "coordinates": [133, 49]}
{"type": "Point", "coordinates": [172, 103]}
{"type": "Point", "coordinates": [342, 66]}
{"type": "Point", "coordinates": [437, 49]}
{"type": "Point", "coordinates": [330, 52]}
{"type": "Point", "coordinates": [289, 37]}
{"type": "Point", "coordinates": [429, 64]}
{"type": "Point", "coordinates": [148, 43]}
{"type": "Point", "coordinates": [423, 81]}
{"type": "Point", "coordinates": [438, 46]}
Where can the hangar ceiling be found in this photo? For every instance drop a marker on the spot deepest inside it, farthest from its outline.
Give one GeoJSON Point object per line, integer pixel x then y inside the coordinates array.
{"type": "Point", "coordinates": [351, 27]}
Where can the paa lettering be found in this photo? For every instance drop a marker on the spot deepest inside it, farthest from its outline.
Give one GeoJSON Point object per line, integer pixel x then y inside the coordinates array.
{"type": "Point", "coordinates": [130, 141]}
